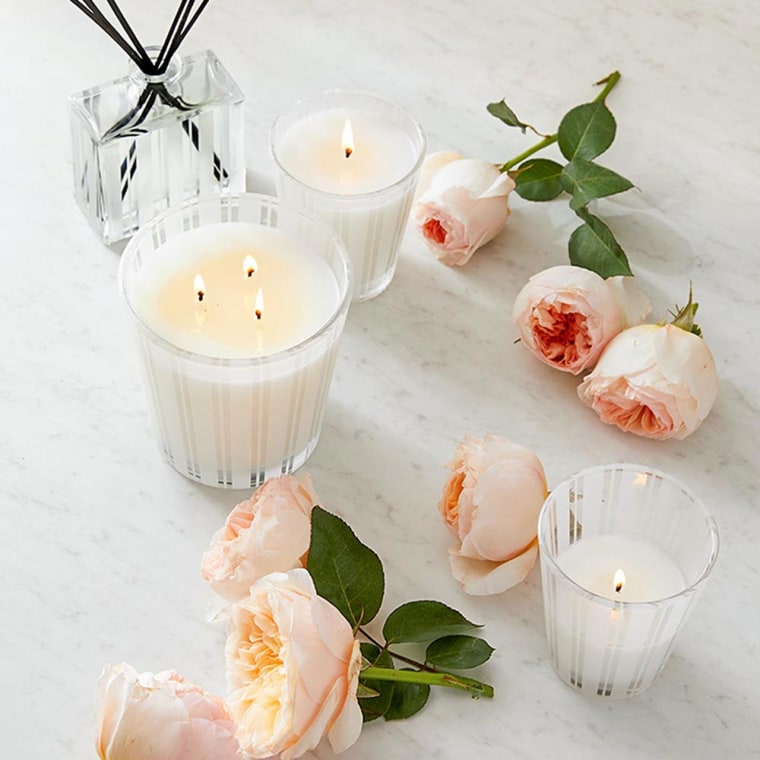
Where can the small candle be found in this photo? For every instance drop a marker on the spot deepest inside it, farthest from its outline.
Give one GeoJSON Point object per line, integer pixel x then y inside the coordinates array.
{"type": "Point", "coordinates": [353, 160]}
{"type": "Point", "coordinates": [623, 568]}
{"type": "Point", "coordinates": [625, 552]}
{"type": "Point", "coordinates": [238, 322]}
{"type": "Point", "coordinates": [346, 151]}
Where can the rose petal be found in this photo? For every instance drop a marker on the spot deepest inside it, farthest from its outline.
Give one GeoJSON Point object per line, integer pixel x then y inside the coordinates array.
{"type": "Point", "coordinates": [481, 577]}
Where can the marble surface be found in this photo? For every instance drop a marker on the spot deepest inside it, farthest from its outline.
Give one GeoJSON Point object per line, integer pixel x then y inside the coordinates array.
{"type": "Point", "coordinates": [100, 541]}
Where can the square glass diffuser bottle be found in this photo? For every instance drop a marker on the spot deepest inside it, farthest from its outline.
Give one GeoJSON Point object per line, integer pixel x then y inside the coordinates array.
{"type": "Point", "coordinates": [143, 143]}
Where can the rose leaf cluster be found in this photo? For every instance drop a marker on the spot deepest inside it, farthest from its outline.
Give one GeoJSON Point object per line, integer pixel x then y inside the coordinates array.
{"type": "Point", "coordinates": [584, 133]}
{"type": "Point", "coordinates": [350, 576]}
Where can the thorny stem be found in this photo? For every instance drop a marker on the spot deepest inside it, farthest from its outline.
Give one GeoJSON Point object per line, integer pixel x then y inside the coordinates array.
{"type": "Point", "coordinates": [609, 82]}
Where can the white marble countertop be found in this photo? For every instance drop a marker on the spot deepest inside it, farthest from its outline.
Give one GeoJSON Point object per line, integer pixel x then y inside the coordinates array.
{"type": "Point", "coordinates": [100, 540]}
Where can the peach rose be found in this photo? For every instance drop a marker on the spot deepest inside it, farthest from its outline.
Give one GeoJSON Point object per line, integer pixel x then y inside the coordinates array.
{"type": "Point", "coordinates": [292, 669]}
{"type": "Point", "coordinates": [490, 504]}
{"type": "Point", "coordinates": [461, 205]}
{"type": "Point", "coordinates": [269, 532]}
{"type": "Point", "coordinates": [566, 315]}
{"type": "Point", "coordinates": [160, 717]}
{"type": "Point", "coordinates": [652, 380]}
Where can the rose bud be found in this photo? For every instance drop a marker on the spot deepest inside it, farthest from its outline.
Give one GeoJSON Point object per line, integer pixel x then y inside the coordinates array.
{"type": "Point", "coordinates": [461, 205]}
{"type": "Point", "coordinates": [566, 315]}
{"type": "Point", "coordinates": [268, 532]}
{"type": "Point", "coordinates": [490, 504]}
{"type": "Point", "coordinates": [160, 717]}
{"type": "Point", "coordinates": [658, 381]}
{"type": "Point", "coordinates": [292, 669]}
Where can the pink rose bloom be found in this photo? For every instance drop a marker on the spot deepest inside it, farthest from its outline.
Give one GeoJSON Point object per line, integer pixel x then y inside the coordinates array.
{"type": "Point", "coordinates": [490, 504]}
{"type": "Point", "coordinates": [566, 315]}
{"type": "Point", "coordinates": [461, 205]}
{"type": "Point", "coordinates": [270, 532]}
{"type": "Point", "coordinates": [160, 717]}
{"type": "Point", "coordinates": [652, 380]}
{"type": "Point", "coordinates": [292, 669]}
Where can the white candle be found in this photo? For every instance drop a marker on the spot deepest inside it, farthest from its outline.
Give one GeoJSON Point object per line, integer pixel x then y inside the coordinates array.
{"type": "Point", "coordinates": [622, 567]}
{"type": "Point", "coordinates": [353, 160]}
{"type": "Point", "coordinates": [625, 551]}
{"type": "Point", "coordinates": [239, 324]}
{"type": "Point", "coordinates": [237, 264]}
{"type": "Point", "coordinates": [346, 151]}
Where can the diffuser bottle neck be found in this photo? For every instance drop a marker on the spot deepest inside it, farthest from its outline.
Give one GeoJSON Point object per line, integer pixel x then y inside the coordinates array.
{"type": "Point", "coordinates": [172, 72]}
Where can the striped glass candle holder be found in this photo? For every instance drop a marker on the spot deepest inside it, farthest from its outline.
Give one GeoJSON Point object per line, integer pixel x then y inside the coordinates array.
{"type": "Point", "coordinates": [232, 421]}
{"type": "Point", "coordinates": [625, 554]}
{"type": "Point", "coordinates": [352, 160]}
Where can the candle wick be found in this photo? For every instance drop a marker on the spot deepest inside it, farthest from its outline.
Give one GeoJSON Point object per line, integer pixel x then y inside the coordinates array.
{"type": "Point", "coordinates": [348, 152]}
{"type": "Point", "coordinates": [200, 295]}
{"type": "Point", "coordinates": [250, 271]}
{"type": "Point", "coordinates": [258, 313]}
{"type": "Point", "coordinates": [618, 587]}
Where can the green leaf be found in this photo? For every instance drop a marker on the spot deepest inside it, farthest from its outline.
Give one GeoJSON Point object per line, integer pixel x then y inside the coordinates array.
{"type": "Point", "coordinates": [423, 621]}
{"type": "Point", "coordinates": [684, 317]}
{"type": "Point", "coordinates": [504, 113]}
{"type": "Point", "coordinates": [586, 131]}
{"type": "Point", "coordinates": [375, 707]}
{"type": "Point", "coordinates": [593, 246]}
{"type": "Point", "coordinates": [538, 179]}
{"type": "Point", "coordinates": [407, 699]}
{"type": "Point", "coordinates": [345, 571]}
{"type": "Point", "coordinates": [585, 180]}
{"type": "Point", "coordinates": [458, 652]}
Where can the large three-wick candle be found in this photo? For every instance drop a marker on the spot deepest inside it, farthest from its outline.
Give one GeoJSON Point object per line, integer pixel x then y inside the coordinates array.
{"type": "Point", "coordinates": [353, 160]}
{"type": "Point", "coordinates": [239, 303]}
{"type": "Point", "coordinates": [625, 554]}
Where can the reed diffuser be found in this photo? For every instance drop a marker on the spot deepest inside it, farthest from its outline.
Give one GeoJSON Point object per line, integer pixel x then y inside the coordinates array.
{"type": "Point", "coordinates": [171, 129]}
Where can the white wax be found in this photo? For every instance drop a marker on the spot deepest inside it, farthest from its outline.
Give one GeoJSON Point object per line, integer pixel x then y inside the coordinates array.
{"type": "Point", "coordinates": [299, 291]}
{"type": "Point", "coordinates": [312, 151]}
{"type": "Point", "coordinates": [365, 197]}
{"type": "Point", "coordinates": [235, 423]}
{"type": "Point", "coordinates": [650, 574]}
{"type": "Point", "coordinates": [605, 648]}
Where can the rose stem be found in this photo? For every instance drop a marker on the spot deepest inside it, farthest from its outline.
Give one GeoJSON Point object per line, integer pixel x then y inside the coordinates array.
{"type": "Point", "coordinates": [477, 688]}
{"type": "Point", "coordinates": [407, 660]}
{"type": "Point", "coordinates": [609, 82]}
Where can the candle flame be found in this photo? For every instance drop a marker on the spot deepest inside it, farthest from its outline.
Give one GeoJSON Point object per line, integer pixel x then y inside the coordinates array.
{"type": "Point", "coordinates": [348, 139]}
{"type": "Point", "coordinates": [199, 286]}
{"type": "Point", "coordinates": [249, 266]}
{"type": "Point", "coordinates": [619, 580]}
{"type": "Point", "coordinates": [259, 306]}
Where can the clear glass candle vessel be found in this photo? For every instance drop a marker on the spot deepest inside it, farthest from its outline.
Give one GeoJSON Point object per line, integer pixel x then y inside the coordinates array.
{"type": "Point", "coordinates": [234, 421]}
{"type": "Point", "coordinates": [143, 143]}
{"type": "Point", "coordinates": [625, 554]}
{"type": "Point", "coordinates": [353, 160]}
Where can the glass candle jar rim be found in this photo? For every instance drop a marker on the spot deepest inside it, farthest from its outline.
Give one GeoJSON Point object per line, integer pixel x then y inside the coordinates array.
{"type": "Point", "coordinates": [605, 601]}
{"type": "Point", "coordinates": [338, 93]}
{"type": "Point", "coordinates": [345, 288]}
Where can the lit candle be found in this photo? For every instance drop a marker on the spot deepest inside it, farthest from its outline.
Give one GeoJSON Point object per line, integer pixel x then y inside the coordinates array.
{"type": "Point", "coordinates": [352, 159]}
{"type": "Point", "coordinates": [623, 568]}
{"type": "Point", "coordinates": [347, 151]}
{"type": "Point", "coordinates": [625, 552]}
{"type": "Point", "coordinates": [222, 272]}
{"type": "Point", "coordinates": [239, 323]}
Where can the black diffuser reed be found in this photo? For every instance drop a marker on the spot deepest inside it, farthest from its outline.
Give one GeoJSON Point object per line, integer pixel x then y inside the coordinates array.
{"type": "Point", "coordinates": [154, 68]}
{"type": "Point", "coordinates": [128, 41]}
